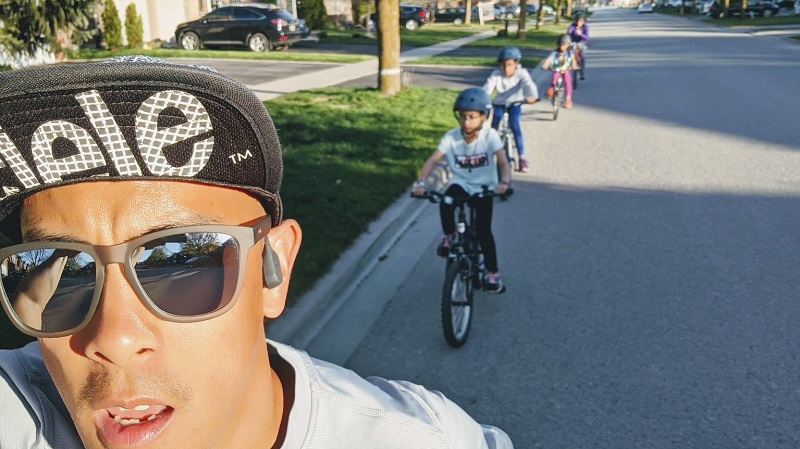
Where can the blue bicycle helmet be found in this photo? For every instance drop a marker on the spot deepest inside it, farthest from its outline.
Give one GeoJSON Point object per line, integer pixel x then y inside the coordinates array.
{"type": "Point", "coordinates": [564, 39]}
{"type": "Point", "coordinates": [473, 99]}
{"type": "Point", "coordinates": [509, 53]}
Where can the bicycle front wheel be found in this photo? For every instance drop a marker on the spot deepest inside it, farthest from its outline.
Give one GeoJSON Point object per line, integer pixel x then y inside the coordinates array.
{"type": "Point", "coordinates": [457, 302]}
{"type": "Point", "coordinates": [556, 104]}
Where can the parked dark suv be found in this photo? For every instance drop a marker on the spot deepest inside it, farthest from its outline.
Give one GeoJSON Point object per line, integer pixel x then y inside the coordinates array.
{"type": "Point", "coordinates": [763, 8]}
{"type": "Point", "coordinates": [413, 17]}
{"type": "Point", "coordinates": [260, 27]}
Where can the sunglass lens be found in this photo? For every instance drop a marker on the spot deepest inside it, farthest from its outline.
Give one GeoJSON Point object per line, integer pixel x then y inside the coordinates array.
{"type": "Point", "coordinates": [190, 274]}
{"type": "Point", "coordinates": [50, 289]}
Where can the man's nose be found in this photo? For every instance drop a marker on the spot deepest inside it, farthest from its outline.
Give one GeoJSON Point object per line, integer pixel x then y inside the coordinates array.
{"type": "Point", "coordinates": [122, 330]}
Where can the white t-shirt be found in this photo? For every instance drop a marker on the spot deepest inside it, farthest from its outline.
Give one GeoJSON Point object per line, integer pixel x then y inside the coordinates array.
{"type": "Point", "coordinates": [333, 408]}
{"type": "Point", "coordinates": [472, 165]}
{"type": "Point", "coordinates": [517, 87]}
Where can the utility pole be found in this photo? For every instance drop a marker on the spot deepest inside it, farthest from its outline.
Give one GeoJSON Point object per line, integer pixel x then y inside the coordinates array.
{"type": "Point", "coordinates": [388, 46]}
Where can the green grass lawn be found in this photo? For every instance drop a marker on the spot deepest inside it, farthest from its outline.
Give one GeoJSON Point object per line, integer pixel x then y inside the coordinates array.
{"type": "Point", "coordinates": [348, 154]}
{"type": "Point", "coordinates": [423, 37]}
{"type": "Point", "coordinates": [287, 55]}
{"type": "Point", "coordinates": [535, 39]}
{"type": "Point", "coordinates": [472, 61]}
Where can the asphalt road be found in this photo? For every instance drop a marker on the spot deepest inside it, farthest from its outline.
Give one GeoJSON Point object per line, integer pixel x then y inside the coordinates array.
{"type": "Point", "coordinates": [651, 258]}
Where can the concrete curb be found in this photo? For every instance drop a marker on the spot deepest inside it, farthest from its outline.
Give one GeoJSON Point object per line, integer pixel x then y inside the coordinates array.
{"type": "Point", "coordinates": [301, 323]}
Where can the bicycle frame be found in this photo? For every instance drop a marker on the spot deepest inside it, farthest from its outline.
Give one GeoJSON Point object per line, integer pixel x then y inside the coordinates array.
{"type": "Point", "coordinates": [465, 269]}
{"type": "Point", "coordinates": [507, 137]}
{"type": "Point", "coordinates": [558, 97]}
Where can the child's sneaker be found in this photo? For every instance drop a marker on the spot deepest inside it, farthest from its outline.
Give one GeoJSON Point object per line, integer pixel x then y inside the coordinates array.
{"type": "Point", "coordinates": [550, 92]}
{"type": "Point", "coordinates": [523, 165]}
{"type": "Point", "coordinates": [444, 248]}
{"type": "Point", "coordinates": [568, 103]}
{"type": "Point", "coordinates": [493, 283]}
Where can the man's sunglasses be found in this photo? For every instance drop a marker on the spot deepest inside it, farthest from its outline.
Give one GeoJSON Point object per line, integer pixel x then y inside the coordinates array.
{"type": "Point", "coordinates": [194, 273]}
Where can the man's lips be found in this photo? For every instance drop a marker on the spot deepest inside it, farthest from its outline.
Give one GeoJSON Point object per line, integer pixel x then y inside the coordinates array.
{"type": "Point", "coordinates": [132, 424]}
{"type": "Point", "coordinates": [137, 414]}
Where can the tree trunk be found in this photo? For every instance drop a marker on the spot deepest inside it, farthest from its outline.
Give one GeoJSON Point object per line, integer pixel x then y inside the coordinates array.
{"type": "Point", "coordinates": [558, 12]}
{"type": "Point", "coordinates": [522, 28]}
{"type": "Point", "coordinates": [388, 46]}
{"type": "Point", "coordinates": [540, 16]}
{"type": "Point", "coordinates": [468, 18]}
{"type": "Point", "coordinates": [569, 8]}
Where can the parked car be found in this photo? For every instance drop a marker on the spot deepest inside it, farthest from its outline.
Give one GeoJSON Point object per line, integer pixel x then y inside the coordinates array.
{"type": "Point", "coordinates": [762, 8]}
{"type": "Point", "coordinates": [411, 17]}
{"type": "Point", "coordinates": [533, 9]}
{"type": "Point", "coordinates": [703, 6]}
{"type": "Point", "coordinates": [260, 27]}
{"type": "Point", "coordinates": [506, 12]}
{"type": "Point", "coordinates": [457, 15]}
{"type": "Point", "coordinates": [679, 3]}
{"type": "Point", "coordinates": [645, 7]}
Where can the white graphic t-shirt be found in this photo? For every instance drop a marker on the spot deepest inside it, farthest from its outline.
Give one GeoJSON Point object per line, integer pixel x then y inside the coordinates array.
{"type": "Point", "coordinates": [333, 408]}
{"type": "Point", "coordinates": [473, 165]}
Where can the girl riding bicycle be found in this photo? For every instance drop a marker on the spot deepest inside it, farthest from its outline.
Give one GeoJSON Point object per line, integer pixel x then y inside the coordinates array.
{"type": "Point", "coordinates": [513, 84]}
{"type": "Point", "coordinates": [579, 33]}
{"type": "Point", "coordinates": [472, 152]}
{"type": "Point", "coordinates": [561, 61]}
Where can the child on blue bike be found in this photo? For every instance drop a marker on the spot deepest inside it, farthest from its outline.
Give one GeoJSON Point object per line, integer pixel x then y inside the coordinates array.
{"type": "Point", "coordinates": [473, 152]}
{"type": "Point", "coordinates": [513, 84]}
{"type": "Point", "coordinates": [562, 62]}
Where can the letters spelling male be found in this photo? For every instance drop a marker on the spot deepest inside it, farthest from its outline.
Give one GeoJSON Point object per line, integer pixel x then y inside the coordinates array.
{"type": "Point", "coordinates": [150, 141]}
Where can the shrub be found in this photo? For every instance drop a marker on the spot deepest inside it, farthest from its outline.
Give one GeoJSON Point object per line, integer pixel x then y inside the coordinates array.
{"type": "Point", "coordinates": [134, 30]}
{"type": "Point", "coordinates": [313, 12]}
{"type": "Point", "coordinates": [112, 26]}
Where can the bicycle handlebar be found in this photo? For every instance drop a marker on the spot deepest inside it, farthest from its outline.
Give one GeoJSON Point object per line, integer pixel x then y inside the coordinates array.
{"type": "Point", "coordinates": [508, 105]}
{"type": "Point", "coordinates": [434, 197]}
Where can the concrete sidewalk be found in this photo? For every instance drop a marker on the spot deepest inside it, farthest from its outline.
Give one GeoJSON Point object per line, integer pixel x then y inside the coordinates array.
{"type": "Point", "coordinates": [301, 323]}
{"type": "Point", "coordinates": [344, 73]}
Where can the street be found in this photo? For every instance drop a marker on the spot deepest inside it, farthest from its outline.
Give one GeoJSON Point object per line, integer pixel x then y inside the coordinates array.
{"type": "Point", "coordinates": [651, 257]}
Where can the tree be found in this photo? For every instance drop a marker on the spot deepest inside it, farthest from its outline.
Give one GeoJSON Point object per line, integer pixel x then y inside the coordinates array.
{"type": "Point", "coordinates": [468, 6]}
{"type": "Point", "coordinates": [134, 29]}
{"type": "Point", "coordinates": [540, 16]}
{"type": "Point", "coordinates": [30, 25]}
{"type": "Point", "coordinates": [558, 12]}
{"type": "Point", "coordinates": [313, 12]}
{"type": "Point", "coordinates": [112, 26]}
{"type": "Point", "coordinates": [199, 245]}
{"type": "Point", "coordinates": [522, 28]}
{"type": "Point", "coordinates": [158, 257]}
{"type": "Point", "coordinates": [388, 46]}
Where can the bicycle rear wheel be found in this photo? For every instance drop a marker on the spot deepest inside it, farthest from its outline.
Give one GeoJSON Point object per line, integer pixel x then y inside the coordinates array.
{"type": "Point", "coordinates": [457, 302]}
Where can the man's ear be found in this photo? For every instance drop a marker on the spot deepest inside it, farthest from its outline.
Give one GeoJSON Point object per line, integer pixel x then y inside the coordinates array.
{"type": "Point", "coordinates": [285, 242]}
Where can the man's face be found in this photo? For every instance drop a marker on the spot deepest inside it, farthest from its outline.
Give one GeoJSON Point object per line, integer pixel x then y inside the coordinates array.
{"type": "Point", "coordinates": [508, 67]}
{"type": "Point", "coordinates": [130, 379]}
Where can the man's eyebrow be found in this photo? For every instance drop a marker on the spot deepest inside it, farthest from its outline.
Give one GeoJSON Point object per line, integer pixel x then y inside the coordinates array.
{"type": "Point", "coordinates": [34, 232]}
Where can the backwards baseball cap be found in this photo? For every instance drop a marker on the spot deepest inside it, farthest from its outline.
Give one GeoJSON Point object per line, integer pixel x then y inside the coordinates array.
{"type": "Point", "coordinates": [132, 118]}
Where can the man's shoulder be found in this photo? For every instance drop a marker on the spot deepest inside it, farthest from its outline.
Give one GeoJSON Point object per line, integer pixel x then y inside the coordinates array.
{"type": "Point", "coordinates": [33, 413]}
{"type": "Point", "coordinates": [374, 410]}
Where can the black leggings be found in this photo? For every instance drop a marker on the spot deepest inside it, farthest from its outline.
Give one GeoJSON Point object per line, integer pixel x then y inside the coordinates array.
{"type": "Point", "coordinates": [483, 223]}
